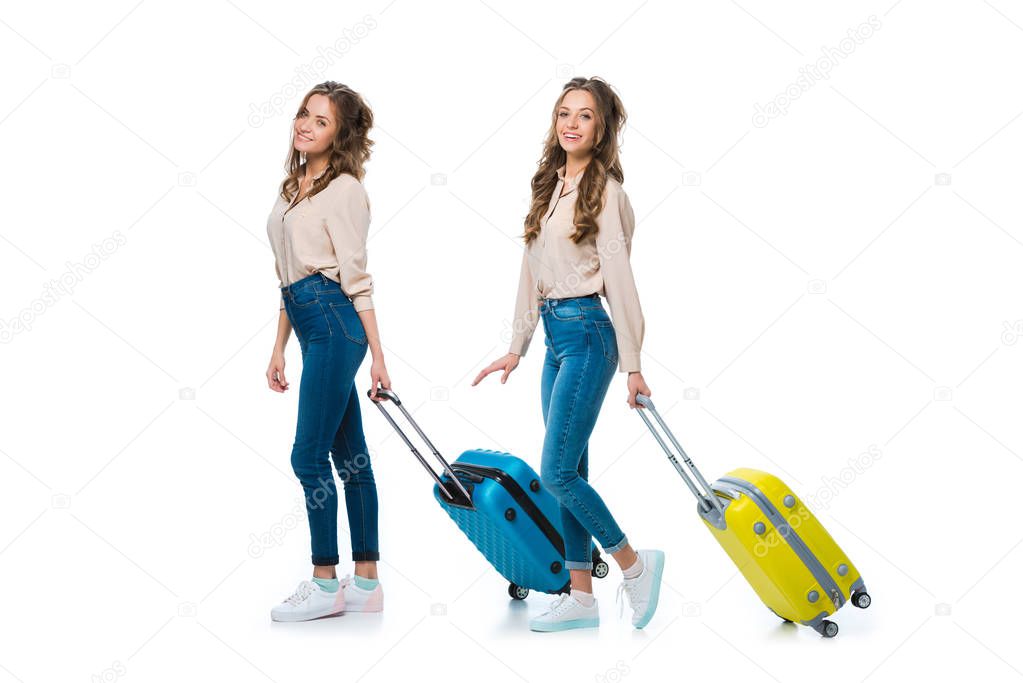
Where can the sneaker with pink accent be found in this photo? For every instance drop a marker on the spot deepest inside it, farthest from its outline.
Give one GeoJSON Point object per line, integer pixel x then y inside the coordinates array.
{"type": "Point", "coordinates": [309, 601]}
{"type": "Point", "coordinates": [359, 599]}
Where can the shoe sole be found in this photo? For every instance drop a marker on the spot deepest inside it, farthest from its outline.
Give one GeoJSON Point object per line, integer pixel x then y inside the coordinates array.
{"type": "Point", "coordinates": [564, 625]}
{"type": "Point", "coordinates": [306, 617]}
{"type": "Point", "coordinates": [361, 610]}
{"type": "Point", "coordinates": [655, 592]}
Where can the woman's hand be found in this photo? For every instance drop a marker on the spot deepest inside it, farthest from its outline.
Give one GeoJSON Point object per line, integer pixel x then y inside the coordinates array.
{"type": "Point", "coordinates": [637, 385]}
{"type": "Point", "coordinates": [275, 373]}
{"type": "Point", "coordinates": [507, 363]}
{"type": "Point", "coordinates": [379, 377]}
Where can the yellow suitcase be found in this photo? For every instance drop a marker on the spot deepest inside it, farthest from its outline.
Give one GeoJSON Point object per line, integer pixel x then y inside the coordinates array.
{"type": "Point", "coordinates": [786, 555]}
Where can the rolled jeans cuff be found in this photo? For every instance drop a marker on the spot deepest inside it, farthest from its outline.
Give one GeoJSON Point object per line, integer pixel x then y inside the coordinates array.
{"type": "Point", "coordinates": [579, 565]}
{"type": "Point", "coordinates": [324, 561]}
{"type": "Point", "coordinates": [612, 549]}
{"type": "Point", "coordinates": [366, 556]}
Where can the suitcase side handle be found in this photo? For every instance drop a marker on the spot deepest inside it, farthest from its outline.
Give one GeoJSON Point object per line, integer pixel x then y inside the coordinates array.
{"type": "Point", "coordinates": [708, 500]}
{"type": "Point", "coordinates": [451, 496]}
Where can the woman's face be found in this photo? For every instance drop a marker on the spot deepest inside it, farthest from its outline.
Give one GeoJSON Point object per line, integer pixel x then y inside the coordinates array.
{"type": "Point", "coordinates": [577, 123]}
{"type": "Point", "coordinates": [315, 126]}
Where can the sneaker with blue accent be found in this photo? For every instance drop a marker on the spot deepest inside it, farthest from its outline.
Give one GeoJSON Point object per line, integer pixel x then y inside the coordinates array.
{"type": "Point", "coordinates": [566, 613]}
{"type": "Point", "coordinates": [644, 590]}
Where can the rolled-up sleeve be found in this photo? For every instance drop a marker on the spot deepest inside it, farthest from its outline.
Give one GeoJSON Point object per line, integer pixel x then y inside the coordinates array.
{"type": "Point", "coordinates": [527, 309]}
{"type": "Point", "coordinates": [614, 245]}
{"type": "Point", "coordinates": [348, 227]}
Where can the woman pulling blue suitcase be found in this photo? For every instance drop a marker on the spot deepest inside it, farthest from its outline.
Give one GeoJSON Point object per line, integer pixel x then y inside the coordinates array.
{"type": "Point", "coordinates": [578, 235]}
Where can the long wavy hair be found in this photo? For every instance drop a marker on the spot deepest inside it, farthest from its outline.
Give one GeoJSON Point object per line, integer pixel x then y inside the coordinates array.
{"type": "Point", "coordinates": [351, 147]}
{"type": "Point", "coordinates": [610, 119]}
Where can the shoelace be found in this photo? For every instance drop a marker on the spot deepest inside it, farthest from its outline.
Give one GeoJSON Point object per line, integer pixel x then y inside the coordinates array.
{"type": "Point", "coordinates": [629, 588]}
{"type": "Point", "coordinates": [303, 591]}
{"type": "Point", "coordinates": [559, 605]}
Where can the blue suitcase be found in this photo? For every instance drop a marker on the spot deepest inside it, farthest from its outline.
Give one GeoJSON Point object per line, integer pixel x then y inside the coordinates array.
{"type": "Point", "coordinates": [497, 500]}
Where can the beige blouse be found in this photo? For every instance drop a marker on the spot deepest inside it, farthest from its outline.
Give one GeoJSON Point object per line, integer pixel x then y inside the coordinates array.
{"type": "Point", "coordinates": [325, 233]}
{"type": "Point", "coordinates": [555, 267]}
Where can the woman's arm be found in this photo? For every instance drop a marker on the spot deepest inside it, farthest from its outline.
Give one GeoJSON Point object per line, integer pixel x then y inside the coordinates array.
{"type": "Point", "coordinates": [275, 373]}
{"type": "Point", "coordinates": [348, 228]}
{"type": "Point", "coordinates": [614, 246]}
{"type": "Point", "coordinates": [378, 370]}
{"type": "Point", "coordinates": [347, 223]}
{"type": "Point", "coordinates": [527, 308]}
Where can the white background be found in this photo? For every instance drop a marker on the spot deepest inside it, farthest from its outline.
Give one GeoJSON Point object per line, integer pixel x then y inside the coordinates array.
{"type": "Point", "coordinates": [815, 283]}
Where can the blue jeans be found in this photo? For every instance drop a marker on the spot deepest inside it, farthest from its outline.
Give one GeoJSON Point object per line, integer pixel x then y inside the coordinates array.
{"type": "Point", "coordinates": [334, 345]}
{"type": "Point", "coordinates": [581, 360]}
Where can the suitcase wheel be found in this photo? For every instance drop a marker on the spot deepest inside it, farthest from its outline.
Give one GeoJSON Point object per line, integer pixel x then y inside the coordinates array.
{"type": "Point", "coordinates": [828, 629]}
{"type": "Point", "coordinates": [600, 569]}
{"type": "Point", "coordinates": [861, 599]}
{"type": "Point", "coordinates": [517, 592]}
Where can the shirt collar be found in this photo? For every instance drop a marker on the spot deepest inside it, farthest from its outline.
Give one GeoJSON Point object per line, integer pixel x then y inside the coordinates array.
{"type": "Point", "coordinates": [573, 182]}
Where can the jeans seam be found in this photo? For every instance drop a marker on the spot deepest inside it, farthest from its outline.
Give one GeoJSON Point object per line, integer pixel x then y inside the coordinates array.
{"type": "Point", "coordinates": [321, 380]}
{"type": "Point", "coordinates": [611, 549]}
{"type": "Point", "coordinates": [330, 331]}
{"type": "Point", "coordinates": [603, 345]}
{"type": "Point", "coordinates": [362, 501]}
{"type": "Point", "coordinates": [589, 515]}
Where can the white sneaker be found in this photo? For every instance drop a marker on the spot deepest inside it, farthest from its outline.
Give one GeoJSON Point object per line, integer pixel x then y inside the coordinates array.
{"type": "Point", "coordinates": [361, 600]}
{"type": "Point", "coordinates": [644, 590]}
{"type": "Point", "coordinates": [566, 613]}
{"type": "Point", "coordinates": [309, 601]}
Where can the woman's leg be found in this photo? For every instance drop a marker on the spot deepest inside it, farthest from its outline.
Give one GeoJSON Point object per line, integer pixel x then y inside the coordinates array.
{"type": "Point", "coordinates": [576, 394]}
{"type": "Point", "coordinates": [351, 458]}
{"type": "Point", "coordinates": [327, 365]}
{"type": "Point", "coordinates": [571, 529]}
{"type": "Point", "coordinates": [309, 455]}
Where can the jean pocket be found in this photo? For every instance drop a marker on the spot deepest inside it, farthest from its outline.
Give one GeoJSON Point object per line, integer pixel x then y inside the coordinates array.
{"type": "Point", "coordinates": [349, 321]}
{"type": "Point", "coordinates": [606, 333]}
{"type": "Point", "coordinates": [309, 321]}
{"type": "Point", "coordinates": [567, 311]}
{"type": "Point", "coordinates": [304, 297]}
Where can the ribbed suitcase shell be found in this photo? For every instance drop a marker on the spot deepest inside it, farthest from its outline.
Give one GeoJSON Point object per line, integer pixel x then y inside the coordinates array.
{"type": "Point", "coordinates": [518, 548]}
{"type": "Point", "coordinates": [793, 563]}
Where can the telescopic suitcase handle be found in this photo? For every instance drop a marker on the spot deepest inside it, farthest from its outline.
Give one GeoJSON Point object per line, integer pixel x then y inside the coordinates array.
{"type": "Point", "coordinates": [393, 398]}
{"type": "Point", "coordinates": [708, 500]}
